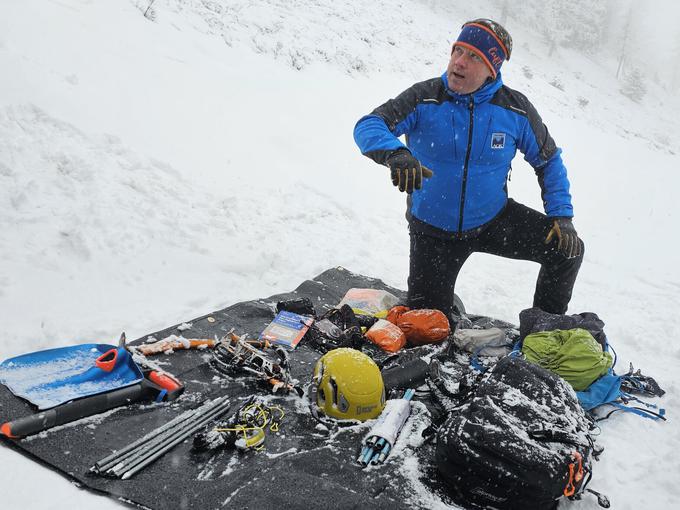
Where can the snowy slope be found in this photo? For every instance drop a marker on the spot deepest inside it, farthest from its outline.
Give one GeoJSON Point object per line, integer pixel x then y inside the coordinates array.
{"type": "Point", "coordinates": [151, 171]}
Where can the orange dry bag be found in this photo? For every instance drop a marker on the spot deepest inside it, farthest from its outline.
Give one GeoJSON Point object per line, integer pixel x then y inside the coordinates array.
{"type": "Point", "coordinates": [420, 326]}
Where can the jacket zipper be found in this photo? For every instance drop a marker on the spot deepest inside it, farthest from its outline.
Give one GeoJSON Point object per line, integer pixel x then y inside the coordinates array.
{"type": "Point", "coordinates": [471, 107]}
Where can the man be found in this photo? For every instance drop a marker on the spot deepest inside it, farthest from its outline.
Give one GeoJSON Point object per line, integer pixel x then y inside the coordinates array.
{"type": "Point", "coordinates": [462, 133]}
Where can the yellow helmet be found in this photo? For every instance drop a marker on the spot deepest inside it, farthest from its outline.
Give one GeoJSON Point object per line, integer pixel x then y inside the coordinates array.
{"type": "Point", "coordinates": [348, 385]}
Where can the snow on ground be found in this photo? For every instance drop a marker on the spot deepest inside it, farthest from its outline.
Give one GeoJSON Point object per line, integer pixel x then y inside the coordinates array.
{"type": "Point", "coordinates": [151, 171]}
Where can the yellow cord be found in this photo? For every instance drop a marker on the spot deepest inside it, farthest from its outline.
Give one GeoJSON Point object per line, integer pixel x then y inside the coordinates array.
{"type": "Point", "coordinates": [274, 427]}
{"type": "Point", "coordinates": [263, 418]}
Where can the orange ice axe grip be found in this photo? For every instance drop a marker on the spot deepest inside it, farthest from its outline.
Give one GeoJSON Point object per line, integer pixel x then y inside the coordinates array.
{"type": "Point", "coordinates": [165, 381]}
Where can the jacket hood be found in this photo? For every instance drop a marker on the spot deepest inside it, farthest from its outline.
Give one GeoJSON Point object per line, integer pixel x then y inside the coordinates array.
{"type": "Point", "coordinates": [481, 95]}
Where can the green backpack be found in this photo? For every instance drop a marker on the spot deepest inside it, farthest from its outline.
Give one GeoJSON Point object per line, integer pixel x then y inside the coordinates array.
{"type": "Point", "coordinates": [573, 354]}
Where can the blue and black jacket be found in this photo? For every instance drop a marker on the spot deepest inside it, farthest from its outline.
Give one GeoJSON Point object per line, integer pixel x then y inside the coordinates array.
{"type": "Point", "coordinates": [469, 142]}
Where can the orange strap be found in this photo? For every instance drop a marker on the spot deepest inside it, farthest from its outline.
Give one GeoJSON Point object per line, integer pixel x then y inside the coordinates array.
{"type": "Point", "coordinates": [579, 472]}
{"type": "Point", "coordinates": [575, 474]}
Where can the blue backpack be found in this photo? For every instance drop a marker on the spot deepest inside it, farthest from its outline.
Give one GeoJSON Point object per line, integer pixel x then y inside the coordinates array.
{"type": "Point", "coordinates": [618, 391]}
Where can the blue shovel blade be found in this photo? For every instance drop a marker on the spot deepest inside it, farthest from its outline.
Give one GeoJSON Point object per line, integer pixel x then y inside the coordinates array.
{"type": "Point", "coordinates": [55, 376]}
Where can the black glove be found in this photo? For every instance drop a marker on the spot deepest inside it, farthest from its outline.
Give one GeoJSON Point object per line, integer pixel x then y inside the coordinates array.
{"type": "Point", "coordinates": [407, 172]}
{"type": "Point", "coordinates": [567, 239]}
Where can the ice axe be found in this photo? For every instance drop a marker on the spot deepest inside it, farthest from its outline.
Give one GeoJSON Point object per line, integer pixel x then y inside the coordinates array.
{"type": "Point", "coordinates": [175, 344]}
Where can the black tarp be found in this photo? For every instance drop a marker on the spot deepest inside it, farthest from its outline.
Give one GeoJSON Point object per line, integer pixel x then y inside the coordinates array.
{"type": "Point", "coordinates": [302, 466]}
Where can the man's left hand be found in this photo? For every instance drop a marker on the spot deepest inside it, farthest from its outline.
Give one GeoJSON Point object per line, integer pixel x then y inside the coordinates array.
{"type": "Point", "coordinates": [407, 172]}
{"type": "Point", "coordinates": [567, 239]}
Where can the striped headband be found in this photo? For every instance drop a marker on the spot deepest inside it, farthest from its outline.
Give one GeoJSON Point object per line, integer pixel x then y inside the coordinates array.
{"type": "Point", "coordinates": [485, 43]}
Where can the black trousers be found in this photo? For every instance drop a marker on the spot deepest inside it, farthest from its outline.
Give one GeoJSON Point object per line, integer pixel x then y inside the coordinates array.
{"type": "Point", "coordinates": [518, 232]}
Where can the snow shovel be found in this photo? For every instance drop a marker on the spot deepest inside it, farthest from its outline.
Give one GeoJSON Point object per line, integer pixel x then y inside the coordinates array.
{"type": "Point", "coordinates": [155, 385]}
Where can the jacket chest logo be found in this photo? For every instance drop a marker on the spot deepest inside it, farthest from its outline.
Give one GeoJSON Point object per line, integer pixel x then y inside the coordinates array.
{"type": "Point", "coordinates": [497, 140]}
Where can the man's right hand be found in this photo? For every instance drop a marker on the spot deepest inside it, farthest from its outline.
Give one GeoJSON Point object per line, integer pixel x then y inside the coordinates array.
{"type": "Point", "coordinates": [407, 172]}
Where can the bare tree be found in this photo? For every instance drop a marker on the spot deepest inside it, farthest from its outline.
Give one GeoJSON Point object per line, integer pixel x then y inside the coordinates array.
{"type": "Point", "coordinates": [624, 46]}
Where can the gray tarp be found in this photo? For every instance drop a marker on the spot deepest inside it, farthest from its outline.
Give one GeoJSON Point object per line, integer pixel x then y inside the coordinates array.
{"type": "Point", "coordinates": [302, 467]}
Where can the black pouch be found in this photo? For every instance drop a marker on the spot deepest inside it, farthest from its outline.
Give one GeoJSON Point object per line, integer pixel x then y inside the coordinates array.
{"type": "Point", "coordinates": [338, 327]}
{"type": "Point", "coordinates": [301, 306]}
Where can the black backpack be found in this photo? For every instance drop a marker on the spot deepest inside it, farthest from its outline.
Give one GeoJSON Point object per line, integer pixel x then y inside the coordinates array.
{"type": "Point", "coordinates": [521, 441]}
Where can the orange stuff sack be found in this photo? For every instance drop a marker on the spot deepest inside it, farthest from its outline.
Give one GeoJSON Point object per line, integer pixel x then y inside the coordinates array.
{"type": "Point", "coordinates": [420, 326]}
{"type": "Point", "coordinates": [386, 335]}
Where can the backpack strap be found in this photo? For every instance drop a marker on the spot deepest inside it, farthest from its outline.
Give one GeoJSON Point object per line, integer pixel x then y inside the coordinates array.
{"type": "Point", "coordinates": [575, 490]}
{"type": "Point", "coordinates": [645, 412]}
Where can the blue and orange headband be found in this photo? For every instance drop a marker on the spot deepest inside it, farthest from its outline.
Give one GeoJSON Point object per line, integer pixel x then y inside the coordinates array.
{"type": "Point", "coordinates": [482, 40]}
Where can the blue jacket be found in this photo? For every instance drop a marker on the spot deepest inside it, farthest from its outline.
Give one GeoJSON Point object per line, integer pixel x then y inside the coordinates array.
{"type": "Point", "coordinates": [469, 142]}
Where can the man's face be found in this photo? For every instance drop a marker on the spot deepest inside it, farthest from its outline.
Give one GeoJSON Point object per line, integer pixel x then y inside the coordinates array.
{"type": "Point", "coordinates": [466, 71]}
